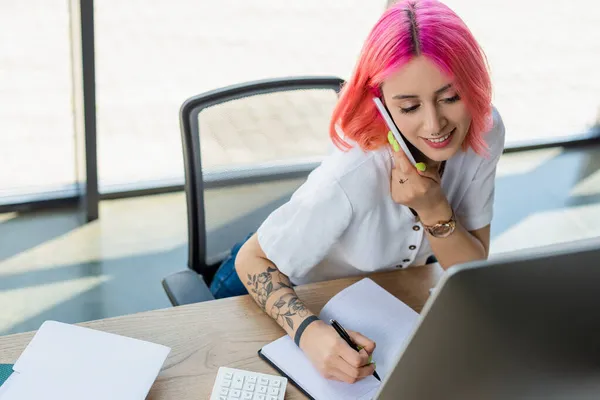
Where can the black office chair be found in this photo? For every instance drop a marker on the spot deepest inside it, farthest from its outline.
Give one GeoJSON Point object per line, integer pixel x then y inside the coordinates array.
{"type": "Point", "coordinates": [206, 252]}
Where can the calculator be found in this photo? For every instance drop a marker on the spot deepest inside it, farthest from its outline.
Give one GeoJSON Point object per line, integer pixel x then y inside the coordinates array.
{"type": "Point", "coordinates": [237, 384]}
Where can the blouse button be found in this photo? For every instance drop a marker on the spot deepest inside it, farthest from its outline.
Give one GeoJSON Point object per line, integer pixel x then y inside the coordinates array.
{"type": "Point", "coordinates": [416, 228]}
{"type": "Point", "coordinates": [412, 247]}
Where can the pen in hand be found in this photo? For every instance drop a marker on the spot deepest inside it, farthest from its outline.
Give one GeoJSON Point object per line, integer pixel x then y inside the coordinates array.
{"type": "Point", "coordinates": [344, 335]}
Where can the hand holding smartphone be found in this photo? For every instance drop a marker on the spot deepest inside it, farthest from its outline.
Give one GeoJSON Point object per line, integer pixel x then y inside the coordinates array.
{"type": "Point", "coordinates": [395, 137]}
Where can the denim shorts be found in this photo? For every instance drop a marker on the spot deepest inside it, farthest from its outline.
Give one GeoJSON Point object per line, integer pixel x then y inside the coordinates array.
{"type": "Point", "coordinates": [226, 282]}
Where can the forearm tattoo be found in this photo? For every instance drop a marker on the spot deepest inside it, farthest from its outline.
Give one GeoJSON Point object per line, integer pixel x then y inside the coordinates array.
{"type": "Point", "coordinates": [263, 285]}
{"type": "Point", "coordinates": [286, 307]}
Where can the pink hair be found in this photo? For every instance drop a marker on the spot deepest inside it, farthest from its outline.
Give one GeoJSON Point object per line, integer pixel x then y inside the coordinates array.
{"type": "Point", "coordinates": [408, 29]}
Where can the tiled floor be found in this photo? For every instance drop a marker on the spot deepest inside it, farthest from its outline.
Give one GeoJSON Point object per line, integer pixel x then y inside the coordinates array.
{"type": "Point", "coordinates": [51, 267]}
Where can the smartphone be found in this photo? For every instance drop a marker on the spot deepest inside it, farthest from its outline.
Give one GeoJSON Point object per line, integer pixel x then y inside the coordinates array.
{"type": "Point", "coordinates": [392, 126]}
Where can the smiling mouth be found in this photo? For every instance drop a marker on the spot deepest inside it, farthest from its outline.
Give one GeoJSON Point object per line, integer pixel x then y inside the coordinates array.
{"type": "Point", "coordinates": [441, 139]}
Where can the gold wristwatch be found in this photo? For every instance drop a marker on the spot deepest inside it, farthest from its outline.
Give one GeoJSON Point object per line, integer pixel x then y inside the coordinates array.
{"type": "Point", "coordinates": [442, 229]}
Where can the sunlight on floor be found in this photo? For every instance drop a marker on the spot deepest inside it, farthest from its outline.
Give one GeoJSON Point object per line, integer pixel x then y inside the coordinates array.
{"type": "Point", "coordinates": [23, 303]}
{"type": "Point", "coordinates": [126, 227]}
{"type": "Point", "coordinates": [588, 187]}
{"type": "Point", "coordinates": [7, 216]}
{"type": "Point", "coordinates": [525, 162]}
{"type": "Point", "coordinates": [542, 229]}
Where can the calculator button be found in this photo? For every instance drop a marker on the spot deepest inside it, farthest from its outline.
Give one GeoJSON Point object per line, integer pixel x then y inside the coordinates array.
{"type": "Point", "coordinates": [263, 381]}
{"type": "Point", "coordinates": [273, 391]}
{"type": "Point", "coordinates": [228, 375]}
{"type": "Point", "coordinates": [226, 383]}
{"type": "Point", "coordinates": [261, 389]}
{"type": "Point", "coordinates": [238, 382]}
{"type": "Point", "coordinates": [259, 396]}
{"type": "Point", "coordinates": [251, 379]}
{"type": "Point", "coordinates": [272, 398]}
{"type": "Point", "coordinates": [224, 391]}
{"type": "Point", "coordinates": [249, 387]}
{"type": "Point", "coordinates": [222, 397]}
{"type": "Point", "coordinates": [247, 395]}
{"type": "Point", "coordinates": [235, 394]}
{"type": "Point", "coordinates": [275, 383]}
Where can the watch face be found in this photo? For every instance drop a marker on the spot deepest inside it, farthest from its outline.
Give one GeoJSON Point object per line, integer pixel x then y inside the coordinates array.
{"type": "Point", "coordinates": [442, 230]}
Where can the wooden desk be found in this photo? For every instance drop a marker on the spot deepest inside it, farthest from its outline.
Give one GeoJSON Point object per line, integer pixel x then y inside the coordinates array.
{"type": "Point", "coordinates": [227, 332]}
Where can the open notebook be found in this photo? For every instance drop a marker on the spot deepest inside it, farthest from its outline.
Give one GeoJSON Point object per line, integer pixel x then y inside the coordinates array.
{"type": "Point", "coordinates": [364, 307]}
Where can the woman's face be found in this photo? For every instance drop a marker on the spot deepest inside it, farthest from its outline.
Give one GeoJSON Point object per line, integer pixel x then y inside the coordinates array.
{"type": "Point", "coordinates": [427, 109]}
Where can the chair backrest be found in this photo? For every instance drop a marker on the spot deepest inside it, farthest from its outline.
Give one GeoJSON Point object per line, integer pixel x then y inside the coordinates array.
{"type": "Point", "coordinates": [197, 180]}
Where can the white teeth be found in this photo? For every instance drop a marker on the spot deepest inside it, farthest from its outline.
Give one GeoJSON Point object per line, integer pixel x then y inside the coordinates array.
{"type": "Point", "coordinates": [440, 140]}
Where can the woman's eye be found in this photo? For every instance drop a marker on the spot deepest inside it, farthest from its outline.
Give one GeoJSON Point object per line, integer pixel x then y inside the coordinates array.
{"type": "Point", "coordinates": [409, 109]}
{"type": "Point", "coordinates": [447, 100]}
{"type": "Point", "coordinates": [452, 99]}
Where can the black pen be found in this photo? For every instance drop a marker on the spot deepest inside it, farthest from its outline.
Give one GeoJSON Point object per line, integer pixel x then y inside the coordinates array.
{"type": "Point", "coordinates": [342, 332]}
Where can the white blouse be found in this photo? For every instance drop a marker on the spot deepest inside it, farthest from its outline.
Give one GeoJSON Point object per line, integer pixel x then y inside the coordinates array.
{"type": "Point", "coordinates": [342, 221]}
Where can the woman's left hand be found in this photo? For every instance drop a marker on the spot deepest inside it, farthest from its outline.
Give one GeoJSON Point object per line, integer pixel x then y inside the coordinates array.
{"type": "Point", "coordinates": [419, 190]}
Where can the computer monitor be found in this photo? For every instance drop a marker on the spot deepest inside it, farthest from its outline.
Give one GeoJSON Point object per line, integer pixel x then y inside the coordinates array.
{"type": "Point", "coordinates": [524, 325]}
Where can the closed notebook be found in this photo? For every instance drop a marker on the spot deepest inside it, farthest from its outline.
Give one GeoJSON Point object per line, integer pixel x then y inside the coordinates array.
{"type": "Point", "coordinates": [364, 307]}
{"type": "Point", "coordinates": [69, 362]}
{"type": "Point", "coordinates": [5, 371]}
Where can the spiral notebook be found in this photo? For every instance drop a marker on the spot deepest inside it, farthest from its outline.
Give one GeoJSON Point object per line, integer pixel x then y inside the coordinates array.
{"type": "Point", "coordinates": [364, 307]}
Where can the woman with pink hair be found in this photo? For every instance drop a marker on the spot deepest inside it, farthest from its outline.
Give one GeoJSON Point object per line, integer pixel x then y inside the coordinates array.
{"type": "Point", "coordinates": [367, 208]}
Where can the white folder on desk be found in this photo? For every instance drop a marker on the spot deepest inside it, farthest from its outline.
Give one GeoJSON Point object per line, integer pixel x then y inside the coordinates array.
{"type": "Point", "coordinates": [69, 362]}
